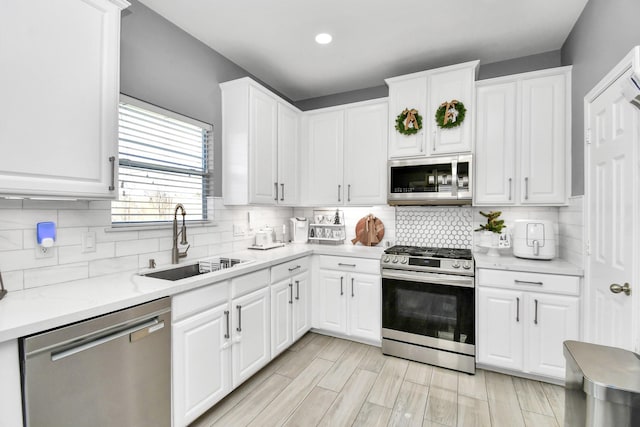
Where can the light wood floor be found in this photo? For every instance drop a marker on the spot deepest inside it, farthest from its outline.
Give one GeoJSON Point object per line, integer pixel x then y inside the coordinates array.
{"type": "Point", "coordinates": [324, 381]}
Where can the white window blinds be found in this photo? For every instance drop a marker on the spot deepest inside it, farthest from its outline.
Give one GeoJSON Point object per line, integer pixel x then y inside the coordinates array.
{"type": "Point", "coordinates": [163, 160]}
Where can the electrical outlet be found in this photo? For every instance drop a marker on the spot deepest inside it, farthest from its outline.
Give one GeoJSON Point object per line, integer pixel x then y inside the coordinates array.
{"type": "Point", "coordinates": [45, 252]}
{"type": "Point", "coordinates": [238, 230]}
{"type": "Point", "coordinates": [88, 241]}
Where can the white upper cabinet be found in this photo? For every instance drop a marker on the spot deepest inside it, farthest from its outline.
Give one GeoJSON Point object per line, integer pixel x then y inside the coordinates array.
{"type": "Point", "coordinates": [59, 71]}
{"type": "Point", "coordinates": [523, 138]}
{"type": "Point", "coordinates": [425, 92]}
{"type": "Point", "coordinates": [346, 154]}
{"type": "Point", "coordinates": [260, 141]}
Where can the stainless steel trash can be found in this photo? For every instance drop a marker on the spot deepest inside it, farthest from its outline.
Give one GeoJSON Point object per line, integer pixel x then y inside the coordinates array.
{"type": "Point", "coordinates": [602, 386]}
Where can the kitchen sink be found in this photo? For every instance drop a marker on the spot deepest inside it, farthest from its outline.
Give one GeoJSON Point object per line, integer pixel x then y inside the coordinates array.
{"type": "Point", "coordinates": [201, 267]}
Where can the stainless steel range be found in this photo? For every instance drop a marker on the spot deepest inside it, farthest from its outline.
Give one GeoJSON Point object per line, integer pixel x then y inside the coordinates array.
{"type": "Point", "coordinates": [428, 306]}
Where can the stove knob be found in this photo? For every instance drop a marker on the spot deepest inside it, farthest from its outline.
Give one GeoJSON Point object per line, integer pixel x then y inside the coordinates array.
{"type": "Point", "coordinates": [395, 260]}
{"type": "Point", "coordinates": [466, 265]}
{"type": "Point", "coordinates": [404, 260]}
{"type": "Point", "coordinates": [386, 258]}
{"type": "Point", "coordinates": [455, 264]}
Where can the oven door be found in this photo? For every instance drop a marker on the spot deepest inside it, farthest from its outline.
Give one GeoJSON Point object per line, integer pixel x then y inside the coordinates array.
{"type": "Point", "coordinates": [429, 309]}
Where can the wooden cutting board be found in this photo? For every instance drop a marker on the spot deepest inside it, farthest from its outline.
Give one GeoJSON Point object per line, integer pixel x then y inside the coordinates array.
{"type": "Point", "coordinates": [360, 229]}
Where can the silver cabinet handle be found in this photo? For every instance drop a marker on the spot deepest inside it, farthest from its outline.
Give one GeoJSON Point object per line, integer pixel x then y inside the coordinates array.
{"type": "Point", "coordinates": [293, 268]}
{"type": "Point", "coordinates": [510, 188]}
{"type": "Point", "coordinates": [535, 316]}
{"type": "Point", "coordinates": [226, 314]}
{"type": "Point", "coordinates": [341, 288]}
{"type": "Point", "coordinates": [290, 293]}
{"type": "Point", "coordinates": [517, 309]}
{"type": "Point", "coordinates": [339, 188]}
{"type": "Point", "coordinates": [112, 160]}
{"type": "Point", "coordinates": [434, 141]}
{"type": "Point", "coordinates": [239, 308]}
{"type": "Point", "coordinates": [341, 264]}
{"type": "Point", "coordinates": [153, 323]}
{"type": "Point", "coordinates": [275, 185]}
{"type": "Point", "coordinates": [349, 193]}
{"type": "Point", "coordinates": [352, 294]}
{"type": "Point", "coordinates": [297, 289]}
{"type": "Point", "coordinates": [282, 192]}
{"type": "Point", "coordinates": [422, 142]}
{"type": "Point", "coordinates": [616, 289]}
{"type": "Point", "coordinates": [526, 282]}
{"type": "Point", "coordinates": [526, 188]}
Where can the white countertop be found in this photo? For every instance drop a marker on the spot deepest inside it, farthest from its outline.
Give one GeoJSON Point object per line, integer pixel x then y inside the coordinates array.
{"type": "Point", "coordinates": [509, 262]}
{"type": "Point", "coordinates": [38, 309]}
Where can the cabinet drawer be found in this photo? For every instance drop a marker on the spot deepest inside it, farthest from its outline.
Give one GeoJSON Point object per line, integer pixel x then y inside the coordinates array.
{"type": "Point", "coordinates": [198, 300]}
{"type": "Point", "coordinates": [540, 282]}
{"type": "Point", "coordinates": [288, 269]}
{"type": "Point", "coordinates": [361, 265]}
{"type": "Point", "coordinates": [249, 282]}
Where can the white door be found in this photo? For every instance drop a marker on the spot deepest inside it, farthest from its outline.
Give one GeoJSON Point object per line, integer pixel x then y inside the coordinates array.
{"type": "Point", "coordinates": [550, 320]}
{"type": "Point", "coordinates": [281, 312]}
{"type": "Point", "coordinates": [325, 131]}
{"type": "Point", "coordinates": [201, 362]}
{"type": "Point", "coordinates": [288, 155]}
{"type": "Point", "coordinates": [495, 178]}
{"type": "Point", "coordinates": [544, 136]}
{"type": "Point", "coordinates": [407, 94]}
{"type": "Point", "coordinates": [301, 305]}
{"type": "Point", "coordinates": [365, 154]}
{"type": "Point", "coordinates": [500, 328]}
{"type": "Point", "coordinates": [365, 306]}
{"type": "Point", "coordinates": [444, 87]}
{"type": "Point", "coordinates": [612, 214]}
{"type": "Point", "coordinates": [263, 146]}
{"type": "Point", "coordinates": [251, 334]}
{"type": "Point", "coordinates": [332, 307]}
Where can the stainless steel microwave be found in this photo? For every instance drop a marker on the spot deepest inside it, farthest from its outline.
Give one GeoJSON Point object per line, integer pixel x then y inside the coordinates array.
{"type": "Point", "coordinates": [430, 181]}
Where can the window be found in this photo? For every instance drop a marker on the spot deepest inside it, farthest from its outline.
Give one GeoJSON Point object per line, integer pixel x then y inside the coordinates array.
{"type": "Point", "coordinates": [163, 160]}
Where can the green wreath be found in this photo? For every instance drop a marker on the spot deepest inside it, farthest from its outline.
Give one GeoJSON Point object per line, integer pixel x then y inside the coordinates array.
{"type": "Point", "coordinates": [442, 111]}
{"type": "Point", "coordinates": [415, 120]}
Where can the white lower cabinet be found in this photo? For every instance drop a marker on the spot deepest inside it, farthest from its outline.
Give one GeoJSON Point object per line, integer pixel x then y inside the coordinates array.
{"type": "Point", "coordinates": [523, 319]}
{"type": "Point", "coordinates": [349, 298]}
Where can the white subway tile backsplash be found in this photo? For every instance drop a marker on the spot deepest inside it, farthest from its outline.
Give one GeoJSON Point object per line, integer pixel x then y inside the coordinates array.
{"type": "Point", "coordinates": [13, 280]}
{"type": "Point", "coordinates": [132, 247]}
{"type": "Point", "coordinates": [101, 267]}
{"type": "Point", "coordinates": [55, 204]}
{"type": "Point", "coordinates": [55, 274]}
{"type": "Point", "coordinates": [24, 259]}
{"type": "Point", "coordinates": [10, 240]}
{"type": "Point", "coordinates": [71, 254]}
{"type": "Point", "coordinates": [204, 239]}
{"type": "Point", "coordinates": [83, 218]}
{"type": "Point", "coordinates": [113, 235]}
{"type": "Point", "coordinates": [14, 219]}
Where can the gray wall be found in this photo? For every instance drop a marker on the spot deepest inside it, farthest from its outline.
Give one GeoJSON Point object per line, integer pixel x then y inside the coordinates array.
{"type": "Point", "coordinates": [605, 32]}
{"type": "Point", "coordinates": [163, 65]}
{"type": "Point", "coordinates": [496, 69]}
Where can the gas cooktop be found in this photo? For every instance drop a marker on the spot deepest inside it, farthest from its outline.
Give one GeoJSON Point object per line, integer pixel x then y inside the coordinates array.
{"type": "Point", "coordinates": [428, 259]}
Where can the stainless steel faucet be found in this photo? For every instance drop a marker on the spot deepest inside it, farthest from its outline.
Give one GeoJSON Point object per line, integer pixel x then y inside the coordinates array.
{"type": "Point", "coordinates": [176, 254]}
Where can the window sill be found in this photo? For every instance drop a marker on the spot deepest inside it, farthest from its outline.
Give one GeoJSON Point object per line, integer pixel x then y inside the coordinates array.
{"type": "Point", "coordinates": [156, 226]}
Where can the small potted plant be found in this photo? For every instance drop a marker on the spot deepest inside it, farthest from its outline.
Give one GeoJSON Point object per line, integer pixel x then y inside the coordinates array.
{"type": "Point", "coordinates": [491, 231]}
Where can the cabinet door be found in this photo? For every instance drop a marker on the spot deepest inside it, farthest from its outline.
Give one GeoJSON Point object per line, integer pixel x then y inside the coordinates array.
{"type": "Point", "coordinates": [251, 334]}
{"type": "Point", "coordinates": [365, 306]}
{"type": "Point", "coordinates": [500, 328]}
{"type": "Point", "coordinates": [332, 307]}
{"type": "Point", "coordinates": [411, 94]}
{"type": "Point", "coordinates": [201, 362]}
{"type": "Point", "coordinates": [263, 146]}
{"type": "Point", "coordinates": [445, 87]}
{"type": "Point", "coordinates": [301, 305]}
{"type": "Point", "coordinates": [495, 178]}
{"type": "Point", "coordinates": [60, 66]}
{"type": "Point", "coordinates": [551, 319]}
{"type": "Point", "coordinates": [325, 133]}
{"type": "Point", "coordinates": [288, 155]}
{"type": "Point", "coordinates": [281, 316]}
{"type": "Point", "coordinates": [544, 137]}
{"type": "Point", "coordinates": [365, 175]}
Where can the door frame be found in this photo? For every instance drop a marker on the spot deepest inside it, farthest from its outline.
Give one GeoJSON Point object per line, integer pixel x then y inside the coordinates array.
{"type": "Point", "coordinates": [630, 61]}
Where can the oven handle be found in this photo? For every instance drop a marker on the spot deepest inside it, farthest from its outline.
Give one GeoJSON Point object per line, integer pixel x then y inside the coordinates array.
{"type": "Point", "coordinates": [434, 278]}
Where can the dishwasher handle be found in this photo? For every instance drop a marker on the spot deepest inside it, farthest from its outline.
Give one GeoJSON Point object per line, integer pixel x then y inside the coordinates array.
{"type": "Point", "coordinates": [137, 332]}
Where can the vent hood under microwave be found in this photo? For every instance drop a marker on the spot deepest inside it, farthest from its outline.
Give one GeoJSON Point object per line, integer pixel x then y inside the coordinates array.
{"type": "Point", "coordinates": [430, 181]}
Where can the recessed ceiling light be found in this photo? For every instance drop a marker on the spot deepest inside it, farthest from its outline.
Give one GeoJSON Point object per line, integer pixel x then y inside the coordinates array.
{"type": "Point", "coordinates": [323, 38]}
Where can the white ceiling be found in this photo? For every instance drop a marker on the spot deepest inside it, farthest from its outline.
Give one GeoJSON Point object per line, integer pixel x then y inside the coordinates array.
{"type": "Point", "coordinates": [372, 39]}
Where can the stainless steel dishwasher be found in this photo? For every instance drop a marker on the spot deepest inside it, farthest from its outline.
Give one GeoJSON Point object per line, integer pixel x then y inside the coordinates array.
{"type": "Point", "coordinates": [112, 370]}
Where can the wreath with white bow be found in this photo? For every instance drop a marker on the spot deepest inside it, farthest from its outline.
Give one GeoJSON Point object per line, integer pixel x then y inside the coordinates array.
{"type": "Point", "coordinates": [450, 114]}
{"type": "Point", "coordinates": [409, 121]}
